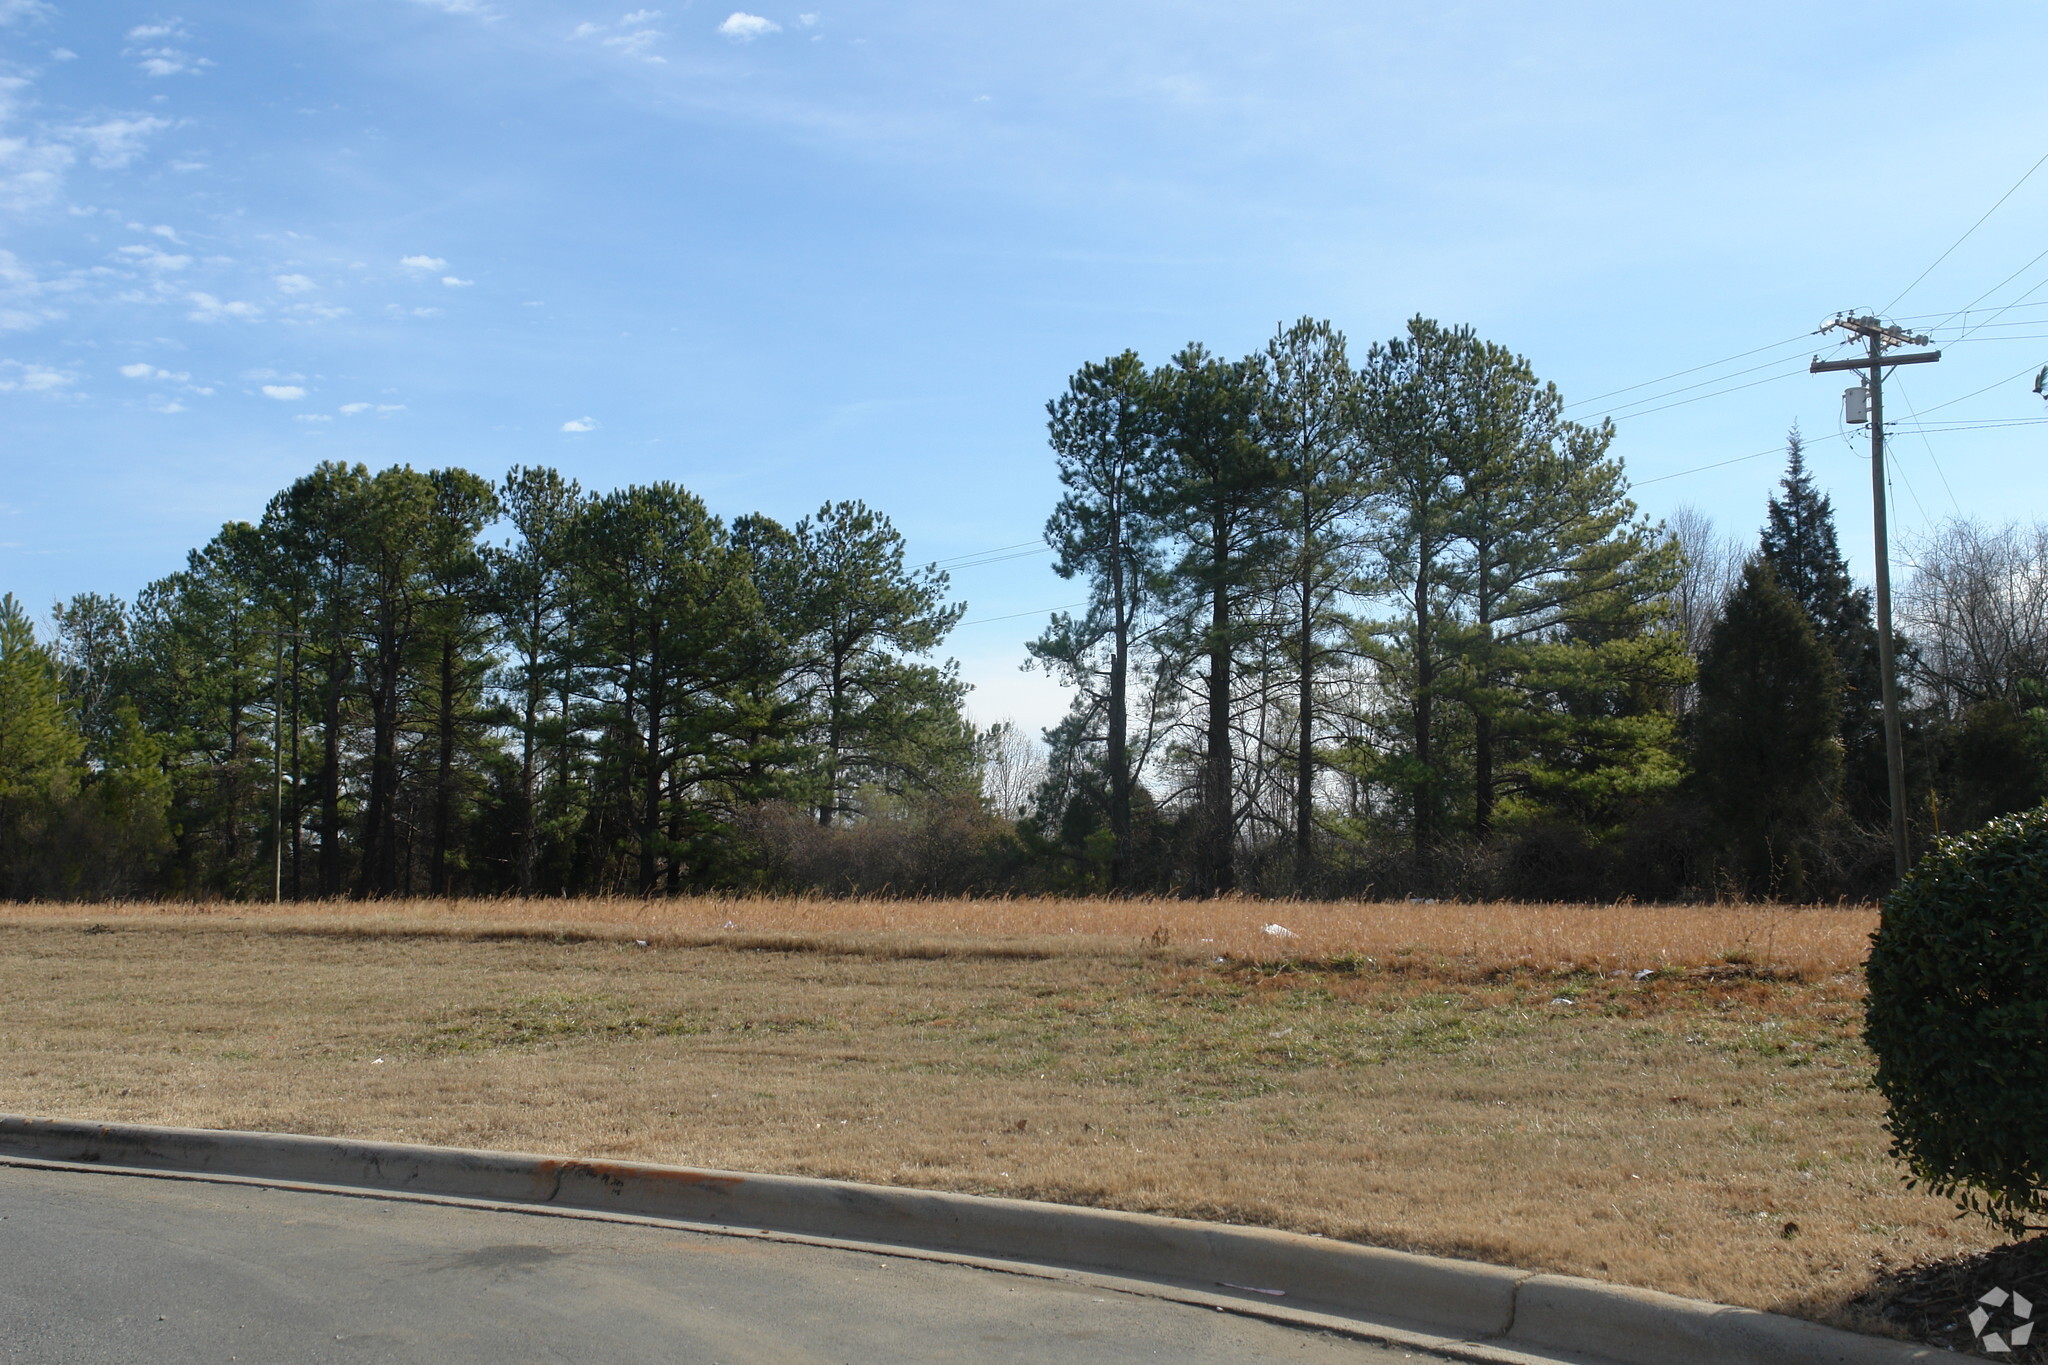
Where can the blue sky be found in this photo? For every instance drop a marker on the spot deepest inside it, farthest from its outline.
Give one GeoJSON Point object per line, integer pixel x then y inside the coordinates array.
{"type": "Point", "coordinates": [846, 251]}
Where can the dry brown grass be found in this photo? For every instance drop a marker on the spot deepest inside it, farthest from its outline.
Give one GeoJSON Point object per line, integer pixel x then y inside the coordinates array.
{"type": "Point", "coordinates": [1454, 936]}
{"type": "Point", "coordinates": [1707, 1129]}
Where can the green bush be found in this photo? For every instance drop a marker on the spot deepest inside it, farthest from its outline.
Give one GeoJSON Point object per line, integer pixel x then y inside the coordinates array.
{"type": "Point", "coordinates": [1958, 1018]}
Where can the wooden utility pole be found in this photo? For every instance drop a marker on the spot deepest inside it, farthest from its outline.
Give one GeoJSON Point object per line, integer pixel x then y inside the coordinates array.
{"type": "Point", "coordinates": [1878, 336]}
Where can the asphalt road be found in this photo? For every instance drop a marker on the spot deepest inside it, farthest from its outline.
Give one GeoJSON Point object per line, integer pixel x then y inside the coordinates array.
{"type": "Point", "coordinates": [100, 1269]}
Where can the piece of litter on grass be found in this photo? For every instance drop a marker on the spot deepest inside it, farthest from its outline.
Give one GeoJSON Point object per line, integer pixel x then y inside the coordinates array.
{"type": "Point", "coordinates": [1216, 961]}
{"type": "Point", "coordinates": [1646, 973]}
{"type": "Point", "coordinates": [1278, 931]}
{"type": "Point", "coordinates": [378, 1062]}
{"type": "Point", "coordinates": [639, 943]}
{"type": "Point", "coordinates": [1254, 1289]}
{"type": "Point", "coordinates": [1564, 1000]}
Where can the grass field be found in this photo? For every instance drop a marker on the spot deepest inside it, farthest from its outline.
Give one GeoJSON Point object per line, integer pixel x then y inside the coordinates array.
{"type": "Point", "coordinates": [1672, 1097]}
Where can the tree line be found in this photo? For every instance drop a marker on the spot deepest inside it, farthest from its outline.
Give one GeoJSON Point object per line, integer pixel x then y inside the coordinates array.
{"type": "Point", "coordinates": [361, 694]}
{"type": "Point", "coordinates": [1388, 624]}
{"type": "Point", "coordinates": [1394, 623]}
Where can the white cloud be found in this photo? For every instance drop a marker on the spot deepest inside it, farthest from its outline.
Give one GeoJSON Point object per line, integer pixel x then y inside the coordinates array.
{"type": "Point", "coordinates": [295, 284]}
{"type": "Point", "coordinates": [581, 424]}
{"type": "Point", "coordinates": [166, 406]}
{"type": "Point", "coordinates": [470, 7]}
{"type": "Point", "coordinates": [150, 258]}
{"type": "Point", "coordinates": [585, 30]}
{"type": "Point", "coordinates": [424, 262]}
{"type": "Point", "coordinates": [168, 61]}
{"type": "Point", "coordinates": [284, 393]}
{"type": "Point", "coordinates": [165, 231]}
{"type": "Point", "coordinates": [744, 27]}
{"type": "Point", "coordinates": [113, 143]}
{"type": "Point", "coordinates": [807, 20]}
{"type": "Point", "coordinates": [381, 409]}
{"type": "Point", "coordinates": [353, 408]}
{"type": "Point", "coordinates": [454, 283]}
{"type": "Point", "coordinates": [207, 308]}
{"type": "Point", "coordinates": [640, 16]}
{"type": "Point", "coordinates": [636, 44]}
{"type": "Point", "coordinates": [156, 30]}
{"type": "Point", "coordinates": [311, 417]}
{"type": "Point", "coordinates": [12, 11]}
{"type": "Point", "coordinates": [142, 369]}
{"type": "Point", "coordinates": [22, 377]}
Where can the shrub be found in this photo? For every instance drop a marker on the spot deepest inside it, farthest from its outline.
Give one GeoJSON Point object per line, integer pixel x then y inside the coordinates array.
{"type": "Point", "coordinates": [1958, 1018]}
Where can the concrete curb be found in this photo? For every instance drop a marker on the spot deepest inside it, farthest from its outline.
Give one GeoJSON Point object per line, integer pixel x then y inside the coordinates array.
{"type": "Point", "coordinates": [1465, 1301]}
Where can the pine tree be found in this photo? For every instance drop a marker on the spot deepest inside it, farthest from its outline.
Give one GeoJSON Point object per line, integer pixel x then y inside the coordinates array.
{"type": "Point", "coordinates": [1218, 492]}
{"type": "Point", "coordinates": [1104, 434]}
{"type": "Point", "coordinates": [1800, 545]}
{"type": "Point", "coordinates": [1766, 753]}
{"type": "Point", "coordinates": [40, 753]}
{"type": "Point", "coordinates": [1311, 423]}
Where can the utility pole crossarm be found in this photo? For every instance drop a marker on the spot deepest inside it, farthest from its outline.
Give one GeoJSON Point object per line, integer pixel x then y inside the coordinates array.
{"type": "Point", "coordinates": [1820, 366]}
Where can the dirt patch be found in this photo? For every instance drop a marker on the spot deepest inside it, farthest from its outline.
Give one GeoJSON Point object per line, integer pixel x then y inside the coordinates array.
{"type": "Point", "coordinates": [1703, 1126]}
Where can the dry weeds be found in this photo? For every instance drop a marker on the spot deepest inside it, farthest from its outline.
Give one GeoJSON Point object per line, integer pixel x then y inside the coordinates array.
{"type": "Point", "coordinates": [1483, 1081]}
{"type": "Point", "coordinates": [1455, 937]}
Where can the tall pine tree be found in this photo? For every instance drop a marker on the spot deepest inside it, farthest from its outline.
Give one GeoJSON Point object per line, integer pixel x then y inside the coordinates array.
{"type": "Point", "coordinates": [1765, 752]}
{"type": "Point", "coordinates": [1800, 545]}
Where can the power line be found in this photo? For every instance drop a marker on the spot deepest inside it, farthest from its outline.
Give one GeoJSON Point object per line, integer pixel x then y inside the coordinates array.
{"type": "Point", "coordinates": [1700, 398]}
{"type": "Point", "coordinates": [1986, 389]}
{"type": "Point", "coordinates": [1932, 458]}
{"type": "Point", "coordinates": [1701, 469]}
{"type": "Point", "coordinates": [1986, 294]}
{"type": "Point", "coordinates": [1940, 428]}
{"type": "Point", "coordinates": [977, 554]}
{"type": "Point", "coordinates": [1655, 397]}
{"type": "Point", "coordinates": [1966, 236]}
{"type": "Point", "coordinates": [1035, 611]}
{"type": "Point", "coordinates": [1712, 364]}
{"type": "Point", "coordinates": [968, 562]}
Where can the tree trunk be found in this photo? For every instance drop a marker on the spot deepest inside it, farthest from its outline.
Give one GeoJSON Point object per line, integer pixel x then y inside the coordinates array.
{"type": "Point", "coordinates": [1425, 684]}
{"type": "Point", "coordinates": [1119, 722]}
{"type": "Point", "coordinates": [1305, 744]}
{"type": "Point", "coordinates": [1222, 819]}
{"type": "Point", "coordinates": [528, 827]}
{"type": "Point", "coordinates": [444, 769]}
{"type": "Point", "coordinates": [330, 779]}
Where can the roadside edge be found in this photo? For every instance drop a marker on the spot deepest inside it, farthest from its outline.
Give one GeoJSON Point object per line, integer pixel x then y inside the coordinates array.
{"type": "Point", "coordinates": [1462, 1302]}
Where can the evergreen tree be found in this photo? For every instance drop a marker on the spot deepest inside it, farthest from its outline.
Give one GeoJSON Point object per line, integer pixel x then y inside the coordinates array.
{"type": "Point", "coordinates": [535, 601]}
{"type": "Point", "coordinates": [1311, 424]}
{"type": "Point", "coordinates": [1800, 545]}
{"type": "Point", "coordinates": [882, 718]}
{"type": "Point", "coordinates": [40, 755]}
{"type": "Point", "coordinates": [667, 604]}
{"type": "Point", "coordinates": [457, 637]}
{"type": "Point", "coordinates": [1103, 431]}
{"type": "Point", "coordinates": [93, 652]}
{"type": "Point", "coordinates": [1765, 747]}
{"type": "Point", "coordinates": [1218, 490]}
{"type": "Point", "coordinates": [1409, 386]}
